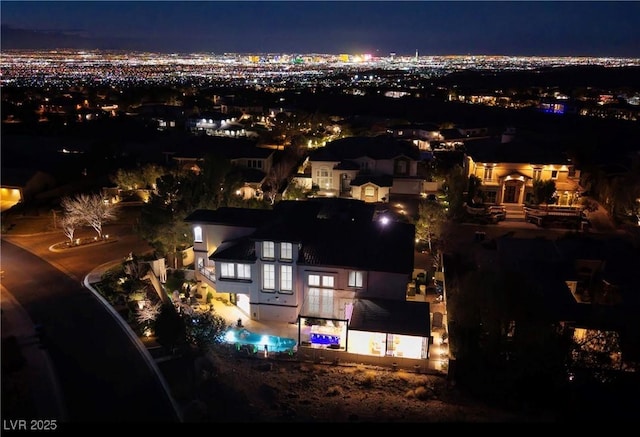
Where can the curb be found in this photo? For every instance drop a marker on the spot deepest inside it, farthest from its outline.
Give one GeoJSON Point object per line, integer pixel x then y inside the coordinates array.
{"type": "Point", "coordinates": [53, 248]}
{"type": "Point", "coordinates": [132, 335]}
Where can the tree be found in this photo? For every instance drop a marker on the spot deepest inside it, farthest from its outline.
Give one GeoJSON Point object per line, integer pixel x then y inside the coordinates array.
{"type": "Point", "coordinates": [543, 191]}
{"type": "Point", "coordinates": [92, 209]}
{"type": "Point", "coordinates": [455, 186]}
{"type": "Point", "coordinates": [151, 173]}
{"type": "Point", "coordinates": [278, 175]}
{"type": "Point", "coordinates": [143, 177]}
{"type": "Point", "coordinates": [149, 312]}
{"type": "Point", "coordinates": [431, 218]}
{"type": "Point", "coordinates": [169, 327]}
{"type": "Point", "coordinates": [205, 328]}
{"type": "Point", "coordinates": [70, 223]}
{"type": "Point", "coordinates": [127, 179]}
{"type": "Point", "coordinates": [475, 190]}
{"type": "Point", "coordinates": [165, 230]}
{"type": "Point", "coordinates": [295, 191]}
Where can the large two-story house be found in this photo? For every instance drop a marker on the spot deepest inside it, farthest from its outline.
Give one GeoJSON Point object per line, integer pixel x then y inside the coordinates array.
{"type": "Point", "coordinates": [508, 165]}
{"type": "Point", "coordinates": [324, 264]}
{"type": "Point", "coordinates": [366, 168]}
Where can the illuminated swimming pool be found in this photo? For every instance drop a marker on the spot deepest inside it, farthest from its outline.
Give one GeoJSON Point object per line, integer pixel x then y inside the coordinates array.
{"type": "Point", "coordinates": [274, 343]}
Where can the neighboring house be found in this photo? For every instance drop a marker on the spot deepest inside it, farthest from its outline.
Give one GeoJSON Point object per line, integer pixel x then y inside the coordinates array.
{"type": "Point", "coordinates": [366, 168]}
{"type": "Point", "coordinates": [422, 135]}
{"type": "Point", "coordinates": [208, 123]}
{"type": "Point", "coordinates": [452, 138]}
{"type": "Point", "coordinates": [253, 162]}
{"type": "Point", "coordinates": [507, 167]}
{"type": "Point", "coordinates": [219, 124]}
{"type": "Point", "coordinates": [163, 116]}
{"type": "Point", "coordinates": [588, 285]}
{"type": "Point", "coordinates": [473, 131]}
{"type": "Point", "coordinates": [23, 185]}
{"type": "Point", "coordinates": [324, 264]}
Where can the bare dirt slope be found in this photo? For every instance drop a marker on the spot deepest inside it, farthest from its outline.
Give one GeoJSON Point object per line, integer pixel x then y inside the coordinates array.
{"type": "Point", "coordinates": [231, 388]}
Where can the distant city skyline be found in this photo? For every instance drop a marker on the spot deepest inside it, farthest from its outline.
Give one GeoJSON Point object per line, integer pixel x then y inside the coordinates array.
{"type": "Point", "coordinates": [546, 28]}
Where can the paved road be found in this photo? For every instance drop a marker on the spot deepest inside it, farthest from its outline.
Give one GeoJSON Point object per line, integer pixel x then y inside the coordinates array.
{"type": "Point", "coordinates": [79, 262]}
{"type": "Point", "coordinates": [102, 374]}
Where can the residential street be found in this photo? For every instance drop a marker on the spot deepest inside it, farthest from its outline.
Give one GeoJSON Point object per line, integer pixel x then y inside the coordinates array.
{"type": "Point", "coordinates": [87, 347]}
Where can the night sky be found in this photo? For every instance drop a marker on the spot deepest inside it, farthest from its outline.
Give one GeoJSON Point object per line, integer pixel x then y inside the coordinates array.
{"type": "Point", "coordinates": [547, 28]}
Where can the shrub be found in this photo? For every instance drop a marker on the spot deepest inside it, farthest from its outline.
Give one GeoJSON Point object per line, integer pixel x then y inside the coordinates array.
{"type": "Point", "coordinates": [334, 390]}
{"type": "Point", "coordinates": [422, 393]}
{"type": "Point", "coordinates": [369, 378]}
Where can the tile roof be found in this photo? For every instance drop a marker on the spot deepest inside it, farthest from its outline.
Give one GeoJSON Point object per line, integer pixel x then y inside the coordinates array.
{"type": "Point", "coordinates": [379, 147]}
{"type": "Point", "coordinates": [369, 246]}
{"type": "Point", "coordinates": [515, 151]}
{"type": "Point", "coordinates": [379, 180]}
{"type": "Point", "coordinates": [242, 249]}
{"type": "Point", "coordinates": [246, 217]}
{"type": "Point", "coordinates": [330, 233]}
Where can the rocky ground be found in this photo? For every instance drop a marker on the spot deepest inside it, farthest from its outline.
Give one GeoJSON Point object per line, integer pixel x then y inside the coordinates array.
{"type": "Point", "coordinates": [229, 387]}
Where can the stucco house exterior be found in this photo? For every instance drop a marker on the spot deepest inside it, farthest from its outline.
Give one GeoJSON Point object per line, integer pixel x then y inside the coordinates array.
{"type": "Point", "coordinates": [366, 168]}
{"type": "Point", "coordinates": [507, 167]}
{"type": "Point", "coordinates": [323, 264]}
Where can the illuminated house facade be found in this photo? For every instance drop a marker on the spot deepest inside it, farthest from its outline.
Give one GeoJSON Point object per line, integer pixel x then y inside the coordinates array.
{"type": "Point", "coordinates": [507, 168]}
{"type": "Point", "coordinates": [366, 168]}
{"type": "Point", "coordinates": [321, 263]}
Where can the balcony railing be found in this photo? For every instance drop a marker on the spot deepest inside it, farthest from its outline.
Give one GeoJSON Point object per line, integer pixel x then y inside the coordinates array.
{"type": "Point", "coordinates": [209, 273]}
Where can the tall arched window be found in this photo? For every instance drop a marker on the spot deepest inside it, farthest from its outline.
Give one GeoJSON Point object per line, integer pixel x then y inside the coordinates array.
{"type": "Point", "coordinates": [197, 234]}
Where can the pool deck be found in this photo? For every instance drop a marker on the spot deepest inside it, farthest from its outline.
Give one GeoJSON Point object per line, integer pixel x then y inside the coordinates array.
{"type": "Point", "coordinates": [232, 313]}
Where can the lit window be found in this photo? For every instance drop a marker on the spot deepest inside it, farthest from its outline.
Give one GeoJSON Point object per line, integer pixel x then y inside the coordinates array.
{"type": "Point", "coordinates": [355, 279]}
{"type": "Point", "coordinates": [314, 280]}
{"type": "Point", "coordinates": [268, 249]}
{"type": "Point", "coordinates": [320, 302]}
{"type": "Point", "coordinates": [488, 173]}
{"type": "Point", "coordinates": [286, 278]}
{"type": "Point", "coordinates": [269, 276]}
{"type": "Point", "coordinates": [325, 178]}
{"type": "Point", "coordinates": [286, 251]}
{"type": "Point", "coordinates": [197, 234]}
{"type": "Point", "coordinates": [244, 271]}
{"type": "Point", "coordinates": [369, 191]}
{"type": "Point", "coordinates": [227, 270]}
{"type": "Point", "coordinates": [327, 281]}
